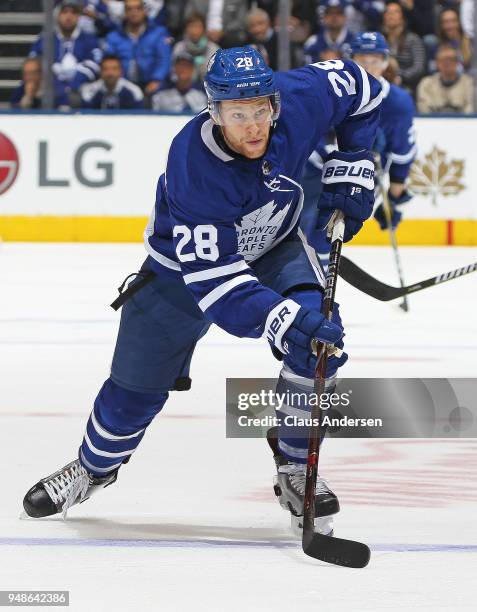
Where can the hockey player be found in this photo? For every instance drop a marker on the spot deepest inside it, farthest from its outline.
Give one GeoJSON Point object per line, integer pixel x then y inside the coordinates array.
{"type": "Point", "coordinates": [395, 143]}
{"type": "Point", "coordinates": [223, 248]}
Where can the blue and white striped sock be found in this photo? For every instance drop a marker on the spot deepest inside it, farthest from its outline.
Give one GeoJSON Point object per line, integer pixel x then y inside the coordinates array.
{"type": "Point", "coordinates": [299, 391]}
{"type": "Point", "coordinates": [102, 451]}
{"type": "Point", "coordinates": [116, 426]}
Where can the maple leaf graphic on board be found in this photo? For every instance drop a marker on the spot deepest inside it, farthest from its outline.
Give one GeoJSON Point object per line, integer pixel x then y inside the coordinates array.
{"type": "Point", "coordinates": [436, 175]}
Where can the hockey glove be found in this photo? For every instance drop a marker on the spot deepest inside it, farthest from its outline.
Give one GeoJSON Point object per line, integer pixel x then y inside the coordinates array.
{"type": "Point", "coordinates": [291, 328]}
{"type": "Point", "coordinates": [348, 184]}
{"type": "Point", "coordinates": [396, 213]}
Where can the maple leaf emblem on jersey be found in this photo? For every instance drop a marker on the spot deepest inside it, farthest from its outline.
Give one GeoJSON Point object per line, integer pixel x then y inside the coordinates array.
{"type": "Point", "coordinates": [257, 230]}
{"type": "Point", "coordinates": [436, 175]}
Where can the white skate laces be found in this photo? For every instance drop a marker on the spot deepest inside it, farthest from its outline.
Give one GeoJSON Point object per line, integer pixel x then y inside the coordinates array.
{"type": "Point", "coordinates": [297, 477]}
{"type": "Point", "coordinates": [68, 486]}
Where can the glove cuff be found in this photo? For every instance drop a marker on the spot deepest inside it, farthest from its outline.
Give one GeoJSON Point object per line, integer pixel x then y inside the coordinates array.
{"type": "Point", "coordinates": [356, 168]}
{"type": "Point", "coordinates": [278, 321]}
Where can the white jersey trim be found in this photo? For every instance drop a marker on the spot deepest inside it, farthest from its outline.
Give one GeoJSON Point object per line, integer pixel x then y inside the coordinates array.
{"type": "Point", "coordinates": [313, 259]}
{"type": "Point", "coordinates": [194, 277]}
{"type": "Point", "coordinates": [369, 107]}
{"type": "Point", "coordinates": [316, 160]}
{"type": "Point", "coordinates": [404, 158]}
{"type": "Point", "coordinates": [209, 141]}
{"type": "Point", "coordinates": [366, 90]}
{"type": "Point", "coordinates": [162, 259]}
{"type": "Point", "coordinates": [221, 290]}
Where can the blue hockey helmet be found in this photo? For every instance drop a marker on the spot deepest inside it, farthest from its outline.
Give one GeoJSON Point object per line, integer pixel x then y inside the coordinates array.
{"type": "Point", "coordinates": [237, 74]}
{"type": "Point", "coordinates": [370, 42]}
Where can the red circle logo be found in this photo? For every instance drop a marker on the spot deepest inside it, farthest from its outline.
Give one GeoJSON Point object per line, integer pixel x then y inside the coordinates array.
{"type": "Point", "coordinates": [9, 163]}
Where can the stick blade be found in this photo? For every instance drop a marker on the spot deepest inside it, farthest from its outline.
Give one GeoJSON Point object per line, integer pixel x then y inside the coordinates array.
{"type": "Point", "coordinates": [358, 278]}
{"type": "Point", "coordinates": [347, 553]}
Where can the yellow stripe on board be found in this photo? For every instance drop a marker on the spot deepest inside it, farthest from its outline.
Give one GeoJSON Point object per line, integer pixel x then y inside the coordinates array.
{"type": "Point", "coordinates": [430, 232]}
{"type": "Point", "coordinates": [72, 229]}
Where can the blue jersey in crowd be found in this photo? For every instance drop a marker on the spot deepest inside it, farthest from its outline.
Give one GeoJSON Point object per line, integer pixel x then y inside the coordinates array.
{"type": "Point", "coordinates": [144, 59]}
{"type": "Point", "coordinates": [76, 58]}
{"type": "Point", "coordinates": [215, 211]}
{"type": "Point", "coordinates": [125, 96]}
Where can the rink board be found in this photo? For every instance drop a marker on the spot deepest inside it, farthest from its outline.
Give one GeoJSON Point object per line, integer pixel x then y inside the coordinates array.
{"type": "Point", "coordinates": [92, 178]}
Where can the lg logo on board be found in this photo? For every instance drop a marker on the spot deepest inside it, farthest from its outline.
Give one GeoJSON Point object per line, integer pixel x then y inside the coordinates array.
{"type": "Point", "coordinates": [9, 163]}
{"type": "Point", "coordinates": [89, 168]}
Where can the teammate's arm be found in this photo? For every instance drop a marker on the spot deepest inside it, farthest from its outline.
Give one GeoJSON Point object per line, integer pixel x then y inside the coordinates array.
{"type": "Point", "coordinates": [401, 151]}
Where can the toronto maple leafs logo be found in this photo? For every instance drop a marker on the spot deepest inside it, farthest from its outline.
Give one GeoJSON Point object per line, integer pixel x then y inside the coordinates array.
{"type": "Point", "coordinates": [257, 230]}
{"type": "Point", "coordinates": [274, 185]}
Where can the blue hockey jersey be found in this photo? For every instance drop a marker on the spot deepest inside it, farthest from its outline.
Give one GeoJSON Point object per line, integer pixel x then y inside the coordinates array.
{"type": "Point", "coordinates": [395, 139]}
{"type": "Point", "coordinates": [398, 149]}
{"type": "Point", "coordinates": [216, 212]}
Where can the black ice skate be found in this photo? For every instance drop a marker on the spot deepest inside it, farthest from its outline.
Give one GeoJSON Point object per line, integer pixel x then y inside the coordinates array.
{"type": "Point", "coordinates": [289, 487]}
{"type": "Point", "coordinates": [65, 488]}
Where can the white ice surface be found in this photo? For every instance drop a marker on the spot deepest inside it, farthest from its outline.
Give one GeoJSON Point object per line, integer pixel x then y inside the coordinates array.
{"type": "Point", "coordinates": [192, 523]}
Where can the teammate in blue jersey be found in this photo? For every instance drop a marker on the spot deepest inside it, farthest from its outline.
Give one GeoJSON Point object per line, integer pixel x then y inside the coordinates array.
{"type": "Point", "coordinates": [223, 247]}
{"type": "Point", "coordinates": [395, 143]}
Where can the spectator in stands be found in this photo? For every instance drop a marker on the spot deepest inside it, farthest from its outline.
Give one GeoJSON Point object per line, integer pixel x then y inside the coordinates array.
{"type": "Point", "coordinates": [176, 16]}
{"type": "Point", "coordinates": [142, 46]}
{"type": "Point", "coordinates": [76, 53]}
{"type": "Point", "coordinates": [182, 93]}
{"type": "Point", "coordinates": [450, 32]}
{"type": "Point", "coordinates": [28, 93]}
{"type": "Point", "coordinates": [101, 16]}
{"type": "Point", "coordinates": [447, 91]}
{"type": "Point", "coordinates": [419, 15]}
{"type": "Point", "coordinates": [334, 33]}
{"type": "Point", "coordinates": [111, 91]}
{"type": "Point", "coordinates": [261, 33]}
{"type": "Point", "coordinates": [405, 46]}
{"type": "Point", "coordinates": [303, 10]}
{"type": "Point", "coordinates": [225, 20]}
{"type": "Point", "coordinates": [364, 15]}
{"type": "Point", "coordinates": [196, 43]}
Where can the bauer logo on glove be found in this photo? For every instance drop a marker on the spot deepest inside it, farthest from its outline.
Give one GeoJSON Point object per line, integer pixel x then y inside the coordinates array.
{"type": "Point", "coordinates": [348, 185]}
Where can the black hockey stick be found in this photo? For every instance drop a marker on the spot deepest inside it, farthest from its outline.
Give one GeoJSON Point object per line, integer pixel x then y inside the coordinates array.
{"type": "Point", "coordinates": [316, 545]}
{"type": "Point", "coordinates": [392, 233]}
{"type": "Point", "coordinates": [358, 278]}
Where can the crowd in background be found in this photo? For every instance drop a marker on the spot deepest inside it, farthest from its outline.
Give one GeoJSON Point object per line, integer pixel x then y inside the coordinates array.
{"type": "Point", "coordinates": [153, 54]}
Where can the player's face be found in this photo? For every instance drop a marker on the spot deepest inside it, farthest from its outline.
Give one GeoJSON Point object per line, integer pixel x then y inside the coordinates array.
{"type": "Point", "coordinates": [246, 125]}
{"type": "Point", "coordinates": [374, 63]}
